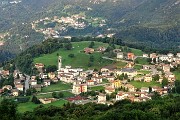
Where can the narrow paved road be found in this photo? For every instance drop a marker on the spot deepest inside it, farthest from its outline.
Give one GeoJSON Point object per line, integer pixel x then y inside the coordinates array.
{"type": "Point", "coordinates": [27, 83]}
{"type": "Point", "coordinates": [107, 58]}
{"type": "Point", "coordinates": [103, 84]}
{"type": "Point", "coordinates": [69, 90]}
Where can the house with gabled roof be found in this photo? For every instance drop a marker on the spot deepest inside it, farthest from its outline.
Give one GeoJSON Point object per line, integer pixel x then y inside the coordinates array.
{"type": "Point", "coordinates": [90, 82]}
{"type": "Point", "coordinates": [130, 87]}
{"type": "Point", "coordinates": [15, 92]}
{"type": "Point", "coordinates": [109, 89]}
{"type": "Point", "coordinates": [8, 87]}
{"type": "Point", "coordinates": [102, 98]}
{"type": "Point", "coordinates": [97, 79]}
{"type": "Point", "coordinates": [20, 87]}
{"type": "Point", "coordinates": [144, 89]}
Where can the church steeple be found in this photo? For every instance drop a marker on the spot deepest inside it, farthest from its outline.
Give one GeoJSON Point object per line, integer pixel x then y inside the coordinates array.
{"type": "Point", "coordinates": [59, 62]}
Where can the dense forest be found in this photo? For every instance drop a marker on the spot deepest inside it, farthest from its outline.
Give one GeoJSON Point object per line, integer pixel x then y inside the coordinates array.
{"type": "Point", "coordinates": [160, 108]}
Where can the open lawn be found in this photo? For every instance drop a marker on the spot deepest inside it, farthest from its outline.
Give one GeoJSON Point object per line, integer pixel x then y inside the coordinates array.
{"type": "Point", "coordinates": [177, 74]}
{"type": "Point", "coordinates": [67, 94]}
{"type": "Point", "coordinates": [139, 84]}
{"type": "Point", "coordinates": [48, 95]}
{"type": "Point", "coordinates": [120, 64]}
{"type": "Point", "coordinates": [105, 81]}
{"type": "Point", "coordinates": [29, 106]}
{"type": "Point", "coordinates": [1, 98]}
{"type": "Point", "coordinates": [56, 87]}
{"type": "Point", "coordinates": [138, 67]}
{"type": "Point", "coordinates": [23, 107]}
{"type": "Point", "coordinates": [142, 61]}
{"type": "Point", "coordinates": [80, 60]}
{"type": "Point", "coordinates": [97, 88]}
{"type": "Point", "coordinates": [137, 52]}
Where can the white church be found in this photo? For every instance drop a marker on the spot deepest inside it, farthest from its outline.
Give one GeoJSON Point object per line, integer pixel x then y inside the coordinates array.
{"type": "Point", "coordinates": [67, 74]}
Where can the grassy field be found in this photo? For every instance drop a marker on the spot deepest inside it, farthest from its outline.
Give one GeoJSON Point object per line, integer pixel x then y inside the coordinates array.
{"type": "Point", "coordinates": [142, 61]}
{"type": "Point", "coordinates": [48, 95]}
{"type": "Point", "coordinates": [1, 98]}
{"type": "Point", "coordinates": [137, 52]}
{"type": "Point", "coordinates": [97, 88]}
{"type": "Point", "coordinates": [120, 64]}
{"type": "Point", "coordinates": [138, 67]}
{"type": "Point", "coordinates": [23, 107]}
{"type": "Point", "coordinates": [138, 84]}
{"type": "Point", "coordinates": [67, 94]}
{"type": "Point", "coordinates": [29, 106]}
{"type": "Point", "coordinates": [105, 81]}
{"type": "Point", "coordinates": [80, 60]}
{"type": "Point", "coordinates": [177, 74]}
{"type": "Point", "coordinates": [56, 87]}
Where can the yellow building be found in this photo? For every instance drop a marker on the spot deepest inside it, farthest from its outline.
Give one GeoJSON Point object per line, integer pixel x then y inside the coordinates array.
{"type": "Point", "coordinates": [148, 78]}
{"type": "Point", "coordinates": [116, 84]}
{"type": "Point", "coordinates": [51, 75]}
{"type": "Point", "coordinates": [79, 88]}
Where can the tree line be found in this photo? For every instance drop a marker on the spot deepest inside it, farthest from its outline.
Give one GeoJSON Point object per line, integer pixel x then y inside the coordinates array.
{"type": "Point", "coordinates": [159, 108]}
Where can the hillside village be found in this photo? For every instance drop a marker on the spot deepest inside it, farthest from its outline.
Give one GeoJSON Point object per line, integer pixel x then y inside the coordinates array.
{"type": "Point", "coordinates": [104, 86]}
{"type": "Point", "coordinates": [56, 26]}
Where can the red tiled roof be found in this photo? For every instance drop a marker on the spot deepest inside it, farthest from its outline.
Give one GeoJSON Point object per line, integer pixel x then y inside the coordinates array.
{"type": "Point", "coordinates": [76, 98]}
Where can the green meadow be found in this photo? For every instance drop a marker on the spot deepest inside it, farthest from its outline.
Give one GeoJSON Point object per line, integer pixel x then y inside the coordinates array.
{"type": "Point", "coordinates": [80, 60]}
{"type": "Point", "coordinates": [139, 84]}
{"type": "Point", "coordinates": [29, 106]}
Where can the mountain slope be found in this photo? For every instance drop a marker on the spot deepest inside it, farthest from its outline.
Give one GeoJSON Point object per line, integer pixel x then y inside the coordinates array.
{"type": "Point", "coordinates": [146, 22]}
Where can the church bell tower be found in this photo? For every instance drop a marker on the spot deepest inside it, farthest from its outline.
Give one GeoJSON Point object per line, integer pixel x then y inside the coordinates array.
{"type": "Point", "coordinates": [59, 62]}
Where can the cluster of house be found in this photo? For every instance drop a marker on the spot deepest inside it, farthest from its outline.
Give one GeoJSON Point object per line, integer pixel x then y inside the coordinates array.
{"type": "Point", "coordinates": [92, 50]}
{"type": "Point", "coordinates": [161, 63]}
{"type": "Point", "coordinates": [131, 93]}
{"type": "Point", "coordinates": [121, 55]}
{"type": "Point", "coordinates": [2, 36]}
{"type": "Point", "coordinates": [1, 43]}
{"type": "Point", "coordinates": [98, 1]}
{"type": "Point", "coordinates": [174, 59]}
{"type": "Point", "coordinates": [77, 21]}
{"type": "Point", "coordinates": [110, 35]}
{"type": "Point", "coordinates": [82, 80]}
{"type": "Point", "coordinates": [15, 2]}
{"type": "Point", "coordinates": [170, 57]}
{"type": "Point", "coordinates": [19, 80]}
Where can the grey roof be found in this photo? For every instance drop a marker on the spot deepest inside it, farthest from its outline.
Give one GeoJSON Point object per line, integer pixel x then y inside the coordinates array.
{"type": "Point", "coordinates": [130, 70]}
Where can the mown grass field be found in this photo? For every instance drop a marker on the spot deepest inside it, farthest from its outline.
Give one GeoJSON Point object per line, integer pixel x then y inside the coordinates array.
{"type": "Point", "coordinates": [177, 74]}
{"type": "Point", "coordinates": [29, 106]}
{"type": "Point", "coordinates": [97, 88]}
{"type": "Point", "coordinates": [139, 84]}
{"type": "Point", "coordinates": [56, 87]}
{"type": "Point", "coordinates": [120, 64]}
{"type": "Point", "coordinates": [138, 67]}
{"type": "Point", "coordinates": [137, 52]}
{"type": "Point", "coordinates": [80, 60]}
{"type": "Point", "coordinates": [142, 61]}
